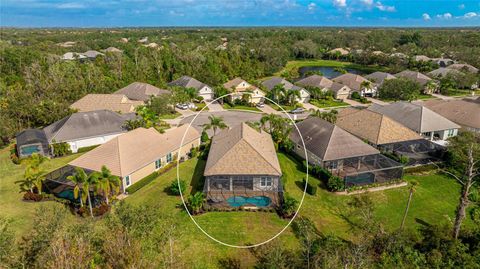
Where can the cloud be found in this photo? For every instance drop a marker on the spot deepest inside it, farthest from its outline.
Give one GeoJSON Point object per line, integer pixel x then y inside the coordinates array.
{"type": "Point", "coordinates": [426, 17]}
{"type": "Point", "coordinates": [340, 3]}
{"type": "Point", "coordinates": [367, 2]}
{"type": "Point", "coordinates": [71, 5]}
{"type": "Point", "coordinates": [311, 7]}
{"type": "Point", "coordinates": [445, 16]}
{"type": "Point", "coordinates": [461, 6]}
{"type": "Point", "coordinates": [382, 7]}
{"type": "Point", "coordinates": [470, 15]}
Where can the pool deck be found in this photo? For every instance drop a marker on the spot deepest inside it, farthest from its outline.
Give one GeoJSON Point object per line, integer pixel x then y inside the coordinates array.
{"type": "Point", "coordinates": [218, 198]}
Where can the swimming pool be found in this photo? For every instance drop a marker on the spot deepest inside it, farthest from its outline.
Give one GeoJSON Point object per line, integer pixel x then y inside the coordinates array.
{"type": "Point", "coordinates": [259, 201]}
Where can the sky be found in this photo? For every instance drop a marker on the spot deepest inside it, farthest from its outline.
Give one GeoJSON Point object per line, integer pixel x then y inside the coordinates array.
{"type": "Point", "coordinates": [126, 13]}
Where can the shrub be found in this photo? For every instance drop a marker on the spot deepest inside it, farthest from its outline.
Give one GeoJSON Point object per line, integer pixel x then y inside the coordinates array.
{"type": "Point", "coordinates": [355, 95]}
{"type": "Point", "coordinates": [175, 188]}
{"type": "Point", "coordinates": [335, 184]}
{"type": "Point", "coordinates": [311, 189]}
{"type": "Point", "coordinates": [142, 182]}
{"type": "Point", "coordinates": [100, 210]}
{"type": "Point", "coordinates": [288, 207]}
{"type": "Point", "coordinates": [403, 159]}
{"type": "Point", "coordinates": [421, 168]}
{"type": "Point", "coordinates": [195, 202]}
{"type": "Point", "coordinates": [60, 149]}
{"type": "Point", "coordinates": [193, 153]}
{"type": "Point", "coordinates": [204, 138]}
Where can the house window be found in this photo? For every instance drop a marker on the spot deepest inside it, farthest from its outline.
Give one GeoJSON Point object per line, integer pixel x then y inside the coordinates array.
{"type": "Point", "coordinates": [169, 157]}
{"type": "Point", "coordinates": [332, 165]}
{"type": "Point", "coordinates": [158, 164]}
{"type": "Point", "coordinates": [127, 181]}
{"type": "Point", "coordinates": [265, 182]}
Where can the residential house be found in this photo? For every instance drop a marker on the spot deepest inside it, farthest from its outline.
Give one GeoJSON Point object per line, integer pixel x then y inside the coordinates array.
{"type": "Point", "coordinates": [422, 58]}
{"type": "Point", "coordinates": [443, 72]}
{"type": "Point", "coordinates": [379, 77]}
{"type": "Point", "coordinates": [443, 62]}
{"type": "Point", "coordinates": [139, 91]}
{"type": "Point", "coordinates": [388, 135]}
{"type": "Point", "coordinates": [112, 50]}
{"type": "Point", "coordinates": [79, 130]}
{"type": "Point", "coordinates": [357, 84]}
{"type": "Point", "coordinates": [240, 87]}
{"type": "Point", "coordinates": [340, 51]}
{"type": "Point", "coordinates": [242, 162]}
{"type": "Point", "coordinates": [464, 112]}
{"type": "Point", "coordinates": [73, 56]}
{"type": "Point", "coordinates": [343, 154]}
{"type": "Point", "coordinates": [464, 67]}
{"type": "Point", "coordinates": [399, 55]}
{"type": "Point", "coordinates": [114, 102]}
{"type": "Point", "coordinates": [419, 78]}
{"type": "Point", "coordinates": [203, 90]}
{"type": "Point", "coordinates": [287, 85]}
{"type": "Point", "coordinates": [420, 119]}
{"type": "Point", "coordinates": [92, 54]}
{"type": "Point", "coordinates": [134, 155]}
{"type": "Point", "coordinates": [340, 91]}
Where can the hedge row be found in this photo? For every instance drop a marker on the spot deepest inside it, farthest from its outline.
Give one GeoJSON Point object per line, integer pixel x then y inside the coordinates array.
{"type": "Point", "coordinates": [142, 182]}
{"type": "Point", "coordinates": [311, 189]}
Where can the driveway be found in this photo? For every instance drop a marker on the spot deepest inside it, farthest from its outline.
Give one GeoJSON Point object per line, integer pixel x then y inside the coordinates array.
{"type": "Point", "coordinates": [269, 110]}
{"type": "Point", "coordinates": [215, 106]}
{"type": "Point", "coordinates": [376, 101]}
{"type": "Point", "coordinates": [353, 102]}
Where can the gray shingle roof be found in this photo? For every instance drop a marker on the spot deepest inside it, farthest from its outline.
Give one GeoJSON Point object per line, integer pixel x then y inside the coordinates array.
{"type": "Point", "coordinates": [414, 76]}
{"type": "Point", "coordinates": [87, 124]}
{"type": "Point", "coordinates": [442, 72]}
{"type": "Point", "coordinates": [187, 82]}
{"type": "Point", "coordinates": [353, 81]}
{"type": "Point", "coordinates": [414, 116]}
{"type": "Point", "coordinates": [315, 81]}
{"type": "Point", "coordinates": [379, 77]}
{"type": "Point", "coordinates": [141, 91]}
{"type": "Point", "coordinates": [330, 142]}
{"type": "Point", "coordinates": [274, 81]}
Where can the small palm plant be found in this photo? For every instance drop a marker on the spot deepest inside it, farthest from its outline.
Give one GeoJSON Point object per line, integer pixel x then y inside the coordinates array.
{"type": "Point", "coordinates": [195, 202]}
{"type": "Point", "coordinates": [413, 184]}
{"type": "Point", "coordinates": [78, 179]}
{"type": "Point", "coordinates": [108, 183]}
{"type": "Point", "coordinates": [215, 123]}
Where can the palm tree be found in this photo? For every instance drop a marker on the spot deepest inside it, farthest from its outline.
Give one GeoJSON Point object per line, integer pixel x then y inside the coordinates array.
{"type": "Point", "coordinates": [92, 181]}
{"type": "Point", "coordinates": [192, 93]}
{"type": "Point", "coordinates": [78, 179]}
{"type": "Point", "coordinates": [215, 123]}
{"type": "Point", "coordinates": [108, 183]}
{"type": "Point", "coordinates": [366, 84]}
{"type": "Point", "coordinates": [413, 185]}
{"type": "Point", "coordinates": [195, 202]}
{"type": "Point", "coordinates": [277, 92]}
{"type": "Point", "coordinates": [330, 116]}
{"type": "Point", "coordinates": [292, 96]}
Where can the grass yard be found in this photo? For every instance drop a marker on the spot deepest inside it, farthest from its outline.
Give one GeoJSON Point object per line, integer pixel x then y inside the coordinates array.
{"type": "Point", "coordinates": [435, 200]}
{"type": "Point", "coordinates": [325, 103]}
{"type": "Point", "coordinates": [170, 116]}
{"type": "Point", "coordinates": [200, 106]}
{"type": "Point", "coordinates": [241, 107]}
{"type": "Point", "coordinates": [295, 65]}
{"type": "Point", "coordinates": [285, 107]}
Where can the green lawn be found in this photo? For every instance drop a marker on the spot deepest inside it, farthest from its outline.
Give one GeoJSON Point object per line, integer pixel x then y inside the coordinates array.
{"type": "Point", "coordinates": [200, 106]}
{"type": "Point", "coordinates": [435, 200]}
{"type": "Point", "coordinates": [295, 65]}
{"type": "Point", "coordinates": [241, 107]}
{"type": "Point", "coordinates": [324, 103]}
{"type": "Point", "coordinates": [170, 116]}
{"type": "Point", "coordinates": [285, 107]}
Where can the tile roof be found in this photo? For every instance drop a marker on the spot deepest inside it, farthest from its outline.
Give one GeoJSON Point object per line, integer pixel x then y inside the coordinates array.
{"type": "Point", "coordinates": [274, 81]}
{"type": "Point", "coordinates": [415, 76]}
{"type": "Point", "coordinates": [414, 116]}
{"type": "Point", "coordinates": [353, 81]}
{"type": "Point", "coordinates": [114, 102]}
{"type": "Point", "coordinates": [112, 49]}
{"type": "Point", "coordinates": [465, 112]}
{"type": "Point", "coordinates": [315, 81]}
{"type": "Point", "coordinates": [379, 77]}
{"type": "Point", "coordinates": [87, 124]}
{"type": "Point", "coordinates": [461, 67]}
{"type": "Point", "coordinates": [131, 151]}
{"type": "Point", "coordinates": [233, 83]}
{"type": "Point", "coordinates": [330, 142]}
{"type": "Point", "coordinates": [92, 53]}
{"type": "Point", "coordinates": [187, 82]}
{"type": "Point", "coordinates": [374, 127]}
{"type": "Point", "coordinates": [242, 150]}
{"type": "Point", "coordinates": [442, 72]}
{"type": "Point", "coordinates": [141, 91]}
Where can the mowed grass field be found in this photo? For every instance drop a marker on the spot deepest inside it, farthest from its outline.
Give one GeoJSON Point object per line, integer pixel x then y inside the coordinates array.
{"type": "Point", "coordinates": [435, 200]}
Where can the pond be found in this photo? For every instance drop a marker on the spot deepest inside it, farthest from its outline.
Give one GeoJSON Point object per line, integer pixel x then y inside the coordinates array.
{"type": "Point", "coordinates": [327, 71]}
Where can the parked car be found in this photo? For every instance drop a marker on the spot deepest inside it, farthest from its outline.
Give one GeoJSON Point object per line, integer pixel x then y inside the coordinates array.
{"type": "Point", "coordinates": [297, 110]}
{"type": "Point", "coordinates": [191, 105]}
{"type": "Point", "coordinates": [260, 105]}
{"type": "Point", "coordinates": [182, 106]}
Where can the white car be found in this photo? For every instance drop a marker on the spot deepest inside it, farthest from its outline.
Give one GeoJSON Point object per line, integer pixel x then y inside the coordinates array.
{"type": "Point", "coordinates": [182, 106]}
{"type": "Point", "coordinates": [260, 105]}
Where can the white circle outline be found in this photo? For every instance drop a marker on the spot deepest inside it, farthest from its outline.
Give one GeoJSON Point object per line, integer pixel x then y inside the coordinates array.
{"type": "Point", "coordinates": [185, 205]}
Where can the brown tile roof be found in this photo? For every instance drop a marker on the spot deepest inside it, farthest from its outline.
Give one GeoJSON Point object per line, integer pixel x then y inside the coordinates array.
{"type": "Point", "coordinates": [233, 83]}
{"type": "Point", "coordinates": [131, 151]}
{"type": "Point", "coordinates": [465, 112]}
{"type": "Point", "coordinates": [329, 142]}
{"type": "Point", "coordinates": [353, 81]}
{"type": "Point", "coordinates": [141, 91]}
{"type": "Point", "coordinates": [374, 127]}
{"type": "Point", "coordinates": [242, 150]}
{"type": "Point", "coordinates": [315, 81]}
{"type": "Point", "coordinates": [114, 102]}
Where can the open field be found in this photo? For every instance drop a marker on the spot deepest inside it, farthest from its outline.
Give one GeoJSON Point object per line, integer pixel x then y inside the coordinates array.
{"type": "Point", "coordinates": [435, 199]}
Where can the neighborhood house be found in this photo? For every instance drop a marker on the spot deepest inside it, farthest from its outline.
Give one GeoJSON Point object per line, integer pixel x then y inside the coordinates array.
{"type": "Point", "coordinates": [114, 102]}
{"type": "Point", "coordinates": [239, 87]}
{"type": "Point", "coordinates": [340, 91]}
{"type": "Point", "coordinates": [139, 91]}
{"type": "Point", "coordinates": [343, 154]}
{"type": "Point", "coordinates": [358, 84]}
{"type": "Point", "coordinates": [274, 81]}
{"type": "Point", "coordinates": [242, 169]}
{"type": "Point", "coordinates": [203, 90]}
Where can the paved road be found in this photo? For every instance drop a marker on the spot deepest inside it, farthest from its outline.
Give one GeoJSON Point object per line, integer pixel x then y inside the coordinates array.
{"type": "Point", "coordinates": [269, 110]}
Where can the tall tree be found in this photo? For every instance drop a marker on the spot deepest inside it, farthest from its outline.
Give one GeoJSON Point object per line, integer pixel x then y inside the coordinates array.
{"type": "Point", "coordinates": [108, 183]}
{"type": "Point", "coordinates": [465, 168]}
